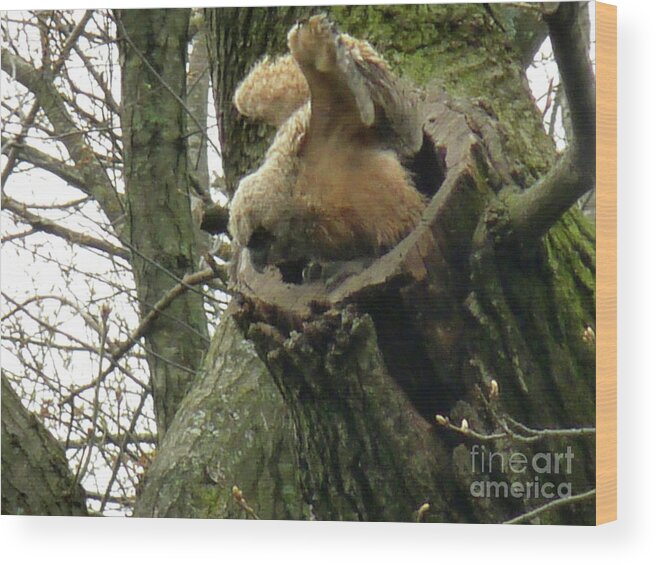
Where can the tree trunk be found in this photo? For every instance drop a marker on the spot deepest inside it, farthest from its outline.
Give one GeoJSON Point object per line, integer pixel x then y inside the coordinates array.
{"type": "Point", "coordinates": [153, 47]}
{"type": "Point", "coordinates": [232, 430]}
{"type": "Point", "coordinates": [452, 323]}
{"type": "Point", "coordinates": [36, 480]}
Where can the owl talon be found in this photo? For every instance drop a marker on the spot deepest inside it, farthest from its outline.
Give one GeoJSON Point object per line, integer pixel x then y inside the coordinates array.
{"type": "Point", "coordinates": [313, 43]}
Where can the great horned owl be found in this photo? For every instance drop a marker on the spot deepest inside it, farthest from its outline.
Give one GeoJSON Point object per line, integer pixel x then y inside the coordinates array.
{"type": "Point", "coordinates": [332, 186]}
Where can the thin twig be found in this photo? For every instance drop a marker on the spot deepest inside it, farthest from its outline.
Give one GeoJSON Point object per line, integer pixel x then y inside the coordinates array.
{"type": "Point", "coordinates": [558, 503]}
{"type": "Point", "coordinates": [145, 324]}
{"type": "Point", "coordinates": [162, 304]}
{"type": "Point", "coordinates": [42, 224]}
{"type": "Point", "coordinates": [524, 435]}
{"type": "Point", "coordinates": [117, 461]}
{"type": "Point", "coordinates": [66, 49]}
{"type": "Point", "coordinates": [240, 499]}
{"type": "Point", "coordinates": [82, 469]}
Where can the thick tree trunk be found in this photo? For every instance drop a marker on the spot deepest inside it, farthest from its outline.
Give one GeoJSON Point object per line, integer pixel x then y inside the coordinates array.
{"type": "Point", "coordinates": [153, 47]}
{"type": "Point", "coordinates": [232, 430]}
{"type": "Point", "coordinates": [437, 327]}
{"type": "Point", "coordinates": [36, 480]}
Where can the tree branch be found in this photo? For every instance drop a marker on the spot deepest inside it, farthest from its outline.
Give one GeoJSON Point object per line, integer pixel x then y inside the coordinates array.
{"type": "Point", "coordinates": [199, 277]}
{"type": "Point", "coordinates": [535, 210]}
{"type": "Point", "coordinates": [109, 97]}
{"type": "Point", "coordinates": [36, 479]}
{"type": "Point", "coordinates": [12, 69]}
{"type": "Point", "coordinates": [122, 348]}
{"type": "Point", "coordinates": [558, 503]}
{"type": "Point", "coordinates": [39, 223]}
{"type": "Point", "coordinates": [67, 173]}
{"type": "Point", "coordinates": [96, 182]}
{"type": "Point", "coordinates": [122, 448]}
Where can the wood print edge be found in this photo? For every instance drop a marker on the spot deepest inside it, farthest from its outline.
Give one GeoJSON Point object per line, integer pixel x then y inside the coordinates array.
{"type": "Point", "coordinates": [606, 331]}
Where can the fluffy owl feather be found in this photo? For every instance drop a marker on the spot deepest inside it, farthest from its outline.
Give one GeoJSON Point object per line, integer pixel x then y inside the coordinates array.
{"type": "Point", "coordinates": [332, 186]}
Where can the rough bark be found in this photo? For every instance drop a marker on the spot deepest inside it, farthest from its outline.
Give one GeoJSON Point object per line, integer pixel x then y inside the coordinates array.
{"type": "Point", "coordinates": [36, 480]}
{"type": "Point", "coordinates": [363, 368]}
{"type": "Point", "coordinates": [232, 430]}
{"type": "Point", "coordinates": [526, 29]}
{"type": "Point", "coordinates": [153, 47]}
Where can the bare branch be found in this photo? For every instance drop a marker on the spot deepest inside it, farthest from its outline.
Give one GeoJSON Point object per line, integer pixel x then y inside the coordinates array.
{"type": "Point", "coordinates": [114, 439]}
{"type": "Point", "coordinates": [199, 277]}
{"type": "Point", "coordinates": [122, 447]}
{"type": "Point", "coordinates": [19, 235]}
{"type": "Point", "coordinates": [535, 210]}
{"type": "Point", "coordinates": [158, 309]}
{"type": "Point", "coordinates": [124, 501]}
{"type": "Point", "coordinates": [51, 101]}
{"type": "Point", "coordinates": [67, 173]}
{"type": "Point", "coordinates": [109, 97]}
{"type": "Point", "coordinates": [240, 499]}
{"type": "Point", "coordinates": [558, 503]}
{"type": "Point", "coordinates": [38, 223]}
{"type": "Point", "coordinates": [13, 68]}
{"type": "Point", "coordinates": [12, 157]}
{"type": "Point", "coordinates": [532, 435]}
{"type": "Point", "coordinates": [82, 469]}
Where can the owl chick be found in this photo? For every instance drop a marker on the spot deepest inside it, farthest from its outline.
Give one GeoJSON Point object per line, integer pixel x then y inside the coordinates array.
{"type": "Point", "coordinates": [332, 186]}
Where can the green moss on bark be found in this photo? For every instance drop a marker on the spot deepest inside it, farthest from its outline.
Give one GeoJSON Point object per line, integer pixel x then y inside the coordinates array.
{"type": "Point", "coordinates": [460, 48]}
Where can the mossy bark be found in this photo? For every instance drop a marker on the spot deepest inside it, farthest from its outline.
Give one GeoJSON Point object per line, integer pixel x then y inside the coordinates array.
{"type": "Point", "coordinates": [36, 480]}
{"type": "Point", "coordinates": [422, 332]}
{"type": "Point", "coordinates": [232, 430]}
{"type": "Point", "coordinates": [153, 46]}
